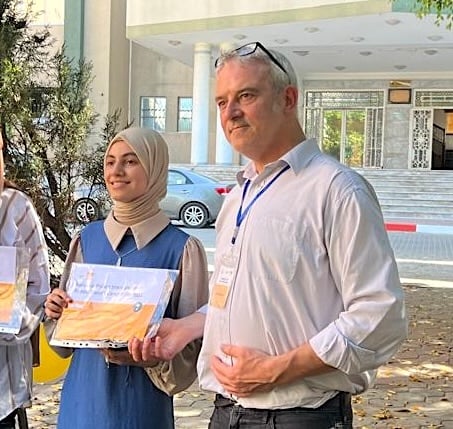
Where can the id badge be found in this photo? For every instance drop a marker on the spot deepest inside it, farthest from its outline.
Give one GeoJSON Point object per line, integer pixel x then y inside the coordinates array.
{"type": "Point", "coordinates": [224, 282]}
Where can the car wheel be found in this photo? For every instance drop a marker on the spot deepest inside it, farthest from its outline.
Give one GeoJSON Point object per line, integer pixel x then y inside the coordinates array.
{"type": "Point", "coordinates": [194, 215]}
{"type": "Point", "coordinates": [86, 210]}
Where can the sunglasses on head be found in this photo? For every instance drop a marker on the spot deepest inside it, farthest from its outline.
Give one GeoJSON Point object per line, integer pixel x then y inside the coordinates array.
{"type": "Point", "coordinates": [249, 49]}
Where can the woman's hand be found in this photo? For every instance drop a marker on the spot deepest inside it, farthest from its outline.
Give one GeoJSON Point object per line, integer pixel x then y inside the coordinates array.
{"type": "Point", "coordinates": [56, 302]}
{"type": "Point", "coordinates": [122, 357]}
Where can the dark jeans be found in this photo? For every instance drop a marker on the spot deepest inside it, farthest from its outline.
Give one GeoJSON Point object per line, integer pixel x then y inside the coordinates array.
{"type": "Point", "coordinates": [336, 413]}
{"type": "Point", "coordinates": [9, 422]}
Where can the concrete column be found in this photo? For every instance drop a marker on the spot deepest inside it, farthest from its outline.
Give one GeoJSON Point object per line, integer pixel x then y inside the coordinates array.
{"type": "Point", "coordinates": [200, 112]}
{"type": "Point", "coordinates": [223, 150]}
{"type": "Point", "coordinates": [74, 27]}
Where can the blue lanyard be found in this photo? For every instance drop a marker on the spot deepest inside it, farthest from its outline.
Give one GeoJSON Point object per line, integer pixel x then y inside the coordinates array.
{"type": "Point", "coordinates": [241, 215]}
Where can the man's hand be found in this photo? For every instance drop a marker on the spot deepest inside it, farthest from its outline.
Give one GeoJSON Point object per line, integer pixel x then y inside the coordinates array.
{"type": "Point", "coordinates": [173, 335]}
{"type": "Point", "coordinates": [251, 372]}
{"type": "Point", "coordinates": [168, 342]}
{"type": "Point", "coordinates": [254, 371]}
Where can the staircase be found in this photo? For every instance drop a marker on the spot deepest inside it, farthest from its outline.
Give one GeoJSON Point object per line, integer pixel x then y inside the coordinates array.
{"type": "Point", "coordinates": [421, 197]}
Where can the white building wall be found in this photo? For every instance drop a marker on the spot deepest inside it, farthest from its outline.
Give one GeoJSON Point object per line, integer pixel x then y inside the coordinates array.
{"type": "Point", "coordinates": [107, 48]}
{"type": "Point", "coordinates": [50, 13]}
{"type": "Point", "coordinates": [97, 50]}
{"type": "Point", "coordinates": [169, 11]}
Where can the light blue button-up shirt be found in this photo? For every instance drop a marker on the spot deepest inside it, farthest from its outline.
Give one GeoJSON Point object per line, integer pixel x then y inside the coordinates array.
{"type": "Point", "coordinates": [313, 264]}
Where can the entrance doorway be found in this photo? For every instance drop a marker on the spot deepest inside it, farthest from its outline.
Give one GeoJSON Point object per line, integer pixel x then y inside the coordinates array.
{"type": "Point", "coordinates": [348, 125]}
{"type": "Point", "coordinates": [343, 135]}
{"type": "Point", "coordinates": [431, 139]}
{"type": "Point", "coordinates": [431, 130]}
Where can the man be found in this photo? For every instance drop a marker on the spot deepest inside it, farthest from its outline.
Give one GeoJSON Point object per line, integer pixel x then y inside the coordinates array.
{"type": "Point", "coordinates": [305, 299]}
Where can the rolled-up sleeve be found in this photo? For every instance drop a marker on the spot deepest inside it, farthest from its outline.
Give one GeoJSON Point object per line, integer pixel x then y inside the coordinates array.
{"type": "Point", "coordinates": [373, 324]}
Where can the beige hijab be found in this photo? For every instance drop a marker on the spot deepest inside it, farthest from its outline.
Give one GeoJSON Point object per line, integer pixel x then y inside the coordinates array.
{"type": "Point", "coordinates": [142, 215]}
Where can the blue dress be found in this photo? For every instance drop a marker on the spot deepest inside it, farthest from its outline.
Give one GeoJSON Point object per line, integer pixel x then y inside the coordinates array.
{"type": "Point", "coordinates": [97, 396]}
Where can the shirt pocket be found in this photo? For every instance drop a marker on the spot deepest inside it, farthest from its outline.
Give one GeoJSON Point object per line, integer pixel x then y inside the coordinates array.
{"type": "Point", "coordinates": [278, 248]}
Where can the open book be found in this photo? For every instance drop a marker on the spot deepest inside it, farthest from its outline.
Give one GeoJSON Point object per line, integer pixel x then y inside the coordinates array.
{"type": "Point", "coordinates": [112, 304]}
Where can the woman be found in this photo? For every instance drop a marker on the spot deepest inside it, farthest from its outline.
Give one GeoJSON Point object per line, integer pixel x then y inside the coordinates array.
{"type": "Point", "coordinates": [107, 389]}
{"type": "Point", "coordinates": [20, 227]}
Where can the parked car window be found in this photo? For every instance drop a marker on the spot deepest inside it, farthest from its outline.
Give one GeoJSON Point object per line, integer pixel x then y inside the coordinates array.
{"type": "Point", "coordinates": [176, 178]}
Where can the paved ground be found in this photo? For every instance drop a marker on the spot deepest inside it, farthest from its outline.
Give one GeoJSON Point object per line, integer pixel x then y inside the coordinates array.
{"type": "Point", "coordinates": [415, 389]}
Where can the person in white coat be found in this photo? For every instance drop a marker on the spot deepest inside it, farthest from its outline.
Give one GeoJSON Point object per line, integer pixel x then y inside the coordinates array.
{"type": "Point", "coordinates": [20, 227]}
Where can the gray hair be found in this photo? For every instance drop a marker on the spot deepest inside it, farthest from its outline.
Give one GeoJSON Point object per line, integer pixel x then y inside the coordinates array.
{"type": "Point", "coordinates": [280, 76]}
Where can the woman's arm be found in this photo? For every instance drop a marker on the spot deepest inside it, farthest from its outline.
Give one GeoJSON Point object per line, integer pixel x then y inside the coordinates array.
{"type": "Point", "coordinates": [58, 299]}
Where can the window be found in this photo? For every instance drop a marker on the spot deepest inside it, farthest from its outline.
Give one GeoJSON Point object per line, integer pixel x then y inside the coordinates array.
{"type": "Point", "coordinates": [331, 116]}
{"type": "Point", "coordinates": [185, 114]}
{"type": "Point", "coordinates": [153, 111]}
{"type": "Point", "coordinates": [176, 178]}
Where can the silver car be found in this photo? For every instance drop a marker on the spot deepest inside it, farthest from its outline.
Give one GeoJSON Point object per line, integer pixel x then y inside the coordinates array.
{"type": "Point", "coordinates": [192, 198]}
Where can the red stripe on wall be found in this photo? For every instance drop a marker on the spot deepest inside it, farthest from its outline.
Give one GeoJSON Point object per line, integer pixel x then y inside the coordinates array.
{"type": "Point", "coordinates": [406, 227]}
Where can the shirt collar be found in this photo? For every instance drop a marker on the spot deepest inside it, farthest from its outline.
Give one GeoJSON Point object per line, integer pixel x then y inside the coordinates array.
{"type": "Point", "coordinates": [301, 155]}
{"type": "Point", "coordinates": [297, 158]}
{"type": "Point", "coordinates": [143, 232]}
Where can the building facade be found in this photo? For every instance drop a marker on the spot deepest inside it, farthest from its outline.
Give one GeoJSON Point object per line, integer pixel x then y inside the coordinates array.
{"type": "Point", "coordinates": [376, 83]}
